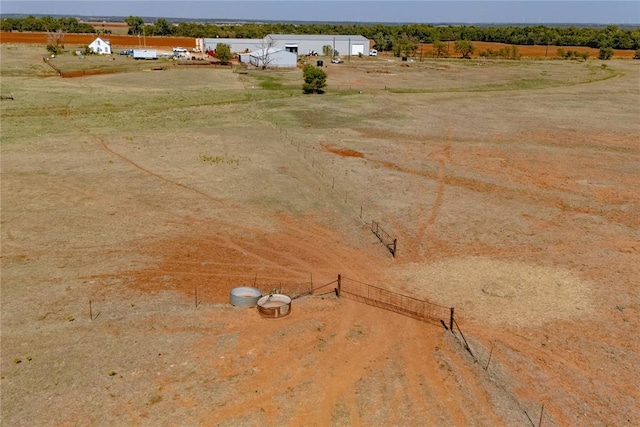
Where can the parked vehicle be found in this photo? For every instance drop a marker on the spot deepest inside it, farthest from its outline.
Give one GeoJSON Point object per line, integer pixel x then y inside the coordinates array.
{"type": "Point", "coordinates": [373, 52]}
{"type": "Point", "coordinates": [145, 54]}
{"type": "Point", "coordinates": [337, 61]}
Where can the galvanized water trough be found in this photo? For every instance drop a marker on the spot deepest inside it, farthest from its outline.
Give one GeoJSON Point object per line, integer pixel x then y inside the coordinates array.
{"type": "Point", "coordinates": [244, 296]}
{"type": "Point", "coordinates": [274, 306]}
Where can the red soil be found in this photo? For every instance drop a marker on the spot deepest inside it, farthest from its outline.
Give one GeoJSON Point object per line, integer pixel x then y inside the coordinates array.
{"type": "Point", "coordinates": [531, 51]}
{"type": "Point", "coordinates": [344, 152]}
{"type": "Point", "coordinates": [116, 40]}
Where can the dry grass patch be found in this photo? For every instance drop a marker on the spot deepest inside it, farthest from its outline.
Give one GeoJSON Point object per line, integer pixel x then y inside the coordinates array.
{"type": "Point", "coordinates": [501, 292]}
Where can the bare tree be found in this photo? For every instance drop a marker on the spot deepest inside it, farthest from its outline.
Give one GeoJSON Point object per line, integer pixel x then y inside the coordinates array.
{"type": "Point", "coordinates": [54, 41]}
{"type": "Point", "coordinates": [265, 52]}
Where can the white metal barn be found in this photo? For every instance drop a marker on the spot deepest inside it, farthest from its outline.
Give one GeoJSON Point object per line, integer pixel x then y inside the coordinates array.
{"type": "Point", "coordinates": [299, 44]}
{"type": "Point", "coordinates": [302, 44]}
{"type": "Point", "coordinates": [236, 45]}
{"type": "Point", "coordinates": [100, 46]}
{"type": "Point", "coordinates": [273, 58]}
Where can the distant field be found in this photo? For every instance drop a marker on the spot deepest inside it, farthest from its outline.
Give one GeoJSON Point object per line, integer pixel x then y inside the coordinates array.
{"type": "Point", "coordinates": [116, 28]}
{"type": "Point", "coordinates": [536, 51]}
{"type": "Point", "coordinates": [119, 40]}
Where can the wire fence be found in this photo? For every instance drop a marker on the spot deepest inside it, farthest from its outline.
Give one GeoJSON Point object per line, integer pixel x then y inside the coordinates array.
{"type": "Point", "coordinates": [386, 239]}
{"type": "Point", "coordinates": [354, 201]}
{"type": "Point", "coordinates": [292, 290]}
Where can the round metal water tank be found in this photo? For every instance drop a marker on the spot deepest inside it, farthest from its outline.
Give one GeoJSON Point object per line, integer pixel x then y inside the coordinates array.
{"type": "Point", "coordinates": [244, 296]}
{"type": "Point", "coordinates": [274, 306]}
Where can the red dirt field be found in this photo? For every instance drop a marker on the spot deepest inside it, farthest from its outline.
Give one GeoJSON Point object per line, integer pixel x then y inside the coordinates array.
{"type": "Point", "coordinates": [532, 51]}
{"type": "Point", "coordinates": [116, 40]}
{"type": "Point", "coordinates": [119, 28]}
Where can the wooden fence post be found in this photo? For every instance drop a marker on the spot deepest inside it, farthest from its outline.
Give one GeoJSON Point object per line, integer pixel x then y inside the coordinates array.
{"type": "Point", "coordinates": [451, 320]}
{"type": "Point", "coordinates": [489, 361]}
{"type": "Point", "coordinates": [395, 243]}
{"type": "Point", "coordinates": [541, 412]}
{"type": "Point", "coordinates": [339, 285]}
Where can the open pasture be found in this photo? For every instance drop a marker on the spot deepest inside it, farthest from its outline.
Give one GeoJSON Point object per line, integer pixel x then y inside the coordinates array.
{"type": "Point", "coordinates": [133, 202]}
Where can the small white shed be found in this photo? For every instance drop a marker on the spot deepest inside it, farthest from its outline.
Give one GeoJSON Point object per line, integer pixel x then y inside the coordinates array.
{"type": "Point", "coordinates": [100, 46]}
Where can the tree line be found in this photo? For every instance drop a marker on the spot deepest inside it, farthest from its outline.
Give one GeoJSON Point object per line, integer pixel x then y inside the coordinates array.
{"type": "Point", "coordinates": [46, 24]}
{"type": "Point", "coordinates": [393, 38]}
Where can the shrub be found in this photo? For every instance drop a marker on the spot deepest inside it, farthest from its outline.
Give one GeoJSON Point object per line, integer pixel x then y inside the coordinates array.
{"type": "Point", "coordinates": [55, 49]}
{"type": "Point", "coordinates": [223, 53]}
{"type": "Point", "coordinates": [315, 79]}
{"type": "Point", "coordinates": [507, 52]}
{"type": "Point", "coordinates": [605, 53]}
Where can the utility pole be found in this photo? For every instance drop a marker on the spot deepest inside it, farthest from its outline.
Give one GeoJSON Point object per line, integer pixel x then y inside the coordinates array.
{"type": "Point", "coordinates": [333, 54]}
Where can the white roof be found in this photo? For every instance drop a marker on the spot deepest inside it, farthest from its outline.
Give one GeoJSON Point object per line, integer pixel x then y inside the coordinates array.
{"type": "Point", "coordinates": [317, 37]}
{"type": "Point", "coordinates": [270, 51]}
{"type": "Point", "coordinates": [101, 39]}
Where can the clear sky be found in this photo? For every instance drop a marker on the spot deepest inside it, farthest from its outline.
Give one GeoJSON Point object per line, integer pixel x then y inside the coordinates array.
{"type": "Point", "coordinates": [387, 11]}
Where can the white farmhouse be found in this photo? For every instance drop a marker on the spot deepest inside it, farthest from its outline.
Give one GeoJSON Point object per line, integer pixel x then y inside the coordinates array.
{"type": "Point", "coordinates": [100, 46]}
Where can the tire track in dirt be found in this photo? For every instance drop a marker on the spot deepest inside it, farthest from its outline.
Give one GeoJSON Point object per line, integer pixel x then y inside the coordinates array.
{"type": "Point", "coordinates": [442, 162]}
{"type": "Point", "coordinates": [150, 172]}
{"type": "Point", "coordinates": [300, 251]}
{"type": "Point", "coordinates": [477, 185]}
{"type": "Point", "coordinates": [359, 344]}
{"type": "Point", "coordinates": [106, 147]}
{"type": "Point", "coordinates": [571, 372]}
{"type": "Point", "coordinates": [264, 260]}
{"type": "Point", "coordinates": [423, 226]}
{"type": "Point", "coordinates": [556, 202]}
{"type": "Point", "coordinates": [351, 372]}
